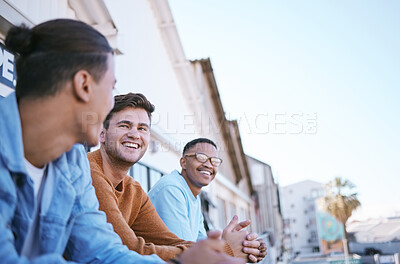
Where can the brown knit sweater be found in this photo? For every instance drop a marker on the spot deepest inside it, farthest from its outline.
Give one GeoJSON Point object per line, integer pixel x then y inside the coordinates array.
{"type": "Point", "coordinates": [133, 216]}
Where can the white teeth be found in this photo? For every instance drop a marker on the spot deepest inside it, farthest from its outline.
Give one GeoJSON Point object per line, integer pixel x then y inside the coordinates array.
{"type": "Point", "coordinates": [131, 145]}
{"type": "Point", "coordinates": [205, 172]}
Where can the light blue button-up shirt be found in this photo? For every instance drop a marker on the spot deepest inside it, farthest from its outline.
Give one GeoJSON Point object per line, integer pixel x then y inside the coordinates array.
{"type": "Point", "coordinates": [178, 207]}
{"type": "Point", "coordinates": [70, 222]}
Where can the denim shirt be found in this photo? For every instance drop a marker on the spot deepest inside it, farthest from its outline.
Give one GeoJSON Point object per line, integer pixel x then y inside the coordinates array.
{"type": "Point", "coordinates": [70, 223]}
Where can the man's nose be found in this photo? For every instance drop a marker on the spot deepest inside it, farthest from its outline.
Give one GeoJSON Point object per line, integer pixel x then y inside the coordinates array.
{"type": "Point", "coordinates": [133, 133]}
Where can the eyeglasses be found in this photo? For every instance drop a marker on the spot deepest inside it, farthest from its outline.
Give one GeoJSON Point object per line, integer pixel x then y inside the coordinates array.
{"type": "Point", "coordinates": [201, 157]}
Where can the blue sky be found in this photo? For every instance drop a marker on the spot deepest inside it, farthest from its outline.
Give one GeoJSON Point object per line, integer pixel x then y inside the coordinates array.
{"type": "Point", "coordinates": [314, 84]}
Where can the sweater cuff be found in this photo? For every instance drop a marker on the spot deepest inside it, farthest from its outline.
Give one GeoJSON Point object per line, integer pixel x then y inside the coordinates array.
{"type": "Point", "coordinates": [228, 250]}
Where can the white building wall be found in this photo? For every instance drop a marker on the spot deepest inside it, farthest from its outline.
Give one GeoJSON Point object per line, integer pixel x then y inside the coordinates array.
{"type": "Point", "coordinates": [145, 67]}
{"type": "Point", "coordinates": [41, 10]}
{"type": "Point", "coordinates": [298, 209]}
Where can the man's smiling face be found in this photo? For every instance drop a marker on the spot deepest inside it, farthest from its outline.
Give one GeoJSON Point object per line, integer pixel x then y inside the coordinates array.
{"type": "Point", "coordinates": [128, 135]}
{"type": "Point", "coordinates": [199, 174]}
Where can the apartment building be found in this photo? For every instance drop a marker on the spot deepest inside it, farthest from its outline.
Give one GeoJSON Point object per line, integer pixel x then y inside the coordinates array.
{"type": "Point", "coordinates": [299, 216]}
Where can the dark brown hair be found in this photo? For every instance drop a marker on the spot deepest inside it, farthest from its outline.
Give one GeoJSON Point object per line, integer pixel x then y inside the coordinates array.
{"type": "Point", "coordinates": [51, 53]}
{"type": "Point", "coordinates": [135, 100]}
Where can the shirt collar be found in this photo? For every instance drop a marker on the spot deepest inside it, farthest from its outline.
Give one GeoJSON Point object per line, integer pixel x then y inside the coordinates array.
{"type": "Point", "coordinates": [11, 147]}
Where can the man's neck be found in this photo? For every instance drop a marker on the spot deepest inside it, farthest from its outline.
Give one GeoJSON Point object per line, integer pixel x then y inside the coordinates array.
{"type": "Point", "coordinates": [195, 190]}
{"type": "Point", "coordinates": [47, 129]}
{"type": "Point", "coordinates": [114, 170]}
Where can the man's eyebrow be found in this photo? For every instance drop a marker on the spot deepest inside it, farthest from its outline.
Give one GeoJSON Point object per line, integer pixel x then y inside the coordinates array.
{"type": "Point", "coordinates": [131, 123]}
{"type": "Point", "coordinates": [144, 124]}
{"type": "Point", "coordinates": [124, 122]}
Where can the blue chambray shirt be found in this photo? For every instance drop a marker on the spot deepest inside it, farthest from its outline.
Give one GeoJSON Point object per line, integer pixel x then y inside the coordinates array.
{"type": "Point", "coordinates": [70, 222]}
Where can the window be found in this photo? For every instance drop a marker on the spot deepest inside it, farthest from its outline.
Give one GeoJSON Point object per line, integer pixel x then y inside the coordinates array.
{"type": "Point", "coordinates": [242, 214]}
{"type": "Point", "coordinates": [145, 175]}
{"type": "Point", "coordinates": [139, 173]}
{"type": "Point", "coordinates": [221, 213]}
{"type": "Point", "coordinates": [286, 223]}
{"type": "Point", "coordinates": [232, 210]}
{"type": "Point", "coordinates": [313, 235]}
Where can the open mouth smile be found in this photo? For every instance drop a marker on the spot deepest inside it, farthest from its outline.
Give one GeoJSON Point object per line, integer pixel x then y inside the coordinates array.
{"type": "Point", "coordinates": [131, 145]}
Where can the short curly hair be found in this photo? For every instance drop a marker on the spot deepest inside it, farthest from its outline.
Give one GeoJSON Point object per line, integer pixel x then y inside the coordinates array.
{"type": "Point", "coordinates": [135, 100]}
{"type": "Point", "coordinates": [192, 143]}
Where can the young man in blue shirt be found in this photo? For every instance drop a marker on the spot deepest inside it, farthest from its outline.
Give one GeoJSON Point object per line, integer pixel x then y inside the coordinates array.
{"type": "Point", "coordinates": [176, 196]}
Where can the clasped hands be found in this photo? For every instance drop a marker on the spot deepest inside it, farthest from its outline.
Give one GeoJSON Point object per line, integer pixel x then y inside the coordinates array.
{"type": "Point", "coordinates": [243, 244]}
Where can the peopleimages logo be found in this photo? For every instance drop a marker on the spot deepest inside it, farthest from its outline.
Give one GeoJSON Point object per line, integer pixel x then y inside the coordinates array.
{"type": "Point", "coordinates": [8, 75]}
{"type": "Point", "coordinates": [282, 123]}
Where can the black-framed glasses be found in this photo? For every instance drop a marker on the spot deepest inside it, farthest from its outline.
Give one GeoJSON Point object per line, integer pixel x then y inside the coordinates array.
{"type": "Point", "coordinates": [201, 157]}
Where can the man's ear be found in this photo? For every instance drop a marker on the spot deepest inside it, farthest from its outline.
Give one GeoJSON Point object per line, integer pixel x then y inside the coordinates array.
{"type": "Point", "coordinates": [82, 85]}
{"type": "Point", "coordinates": [182, 161]}
{"type": "Point", "coordinates": [102, 136]}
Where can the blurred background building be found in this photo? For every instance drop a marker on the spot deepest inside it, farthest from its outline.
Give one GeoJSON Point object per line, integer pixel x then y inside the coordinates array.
{"type": "Point", "coordinates": [375, 236]}
{"type": "Point", "coordinates": [299, 216]}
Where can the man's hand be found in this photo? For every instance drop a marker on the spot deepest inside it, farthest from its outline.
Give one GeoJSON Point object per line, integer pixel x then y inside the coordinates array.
{"type": "Point", "coordinates": [252, 247]}
{"type": "Point", "coordinates": [243, 244]}
{"type": "Point", "coordinates": [209, 251]}
{"type": "Point", "coordinates": [263, 250]}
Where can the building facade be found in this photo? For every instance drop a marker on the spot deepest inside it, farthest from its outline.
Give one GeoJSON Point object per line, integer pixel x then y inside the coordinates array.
{"type": "Point", "coordinates": [299, 216]}
{"type": "Point", "coordinates": [268, 205]}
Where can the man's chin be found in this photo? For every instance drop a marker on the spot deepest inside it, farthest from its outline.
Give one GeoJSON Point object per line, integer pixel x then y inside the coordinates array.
{"type": "Point", "coordinates": [131, 160]}
{"type": "Point", "coordinates": [206, 183]}
{"type": "Point", "coordinates": [90, 144]}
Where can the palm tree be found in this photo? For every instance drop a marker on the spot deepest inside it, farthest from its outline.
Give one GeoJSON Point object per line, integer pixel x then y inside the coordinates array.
{"type": "Point", "coordinates": [340, 201]}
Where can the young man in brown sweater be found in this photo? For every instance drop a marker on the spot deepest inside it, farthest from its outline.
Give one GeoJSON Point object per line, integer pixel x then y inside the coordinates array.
{"type": "Point", "coordinates": [124, 140]}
